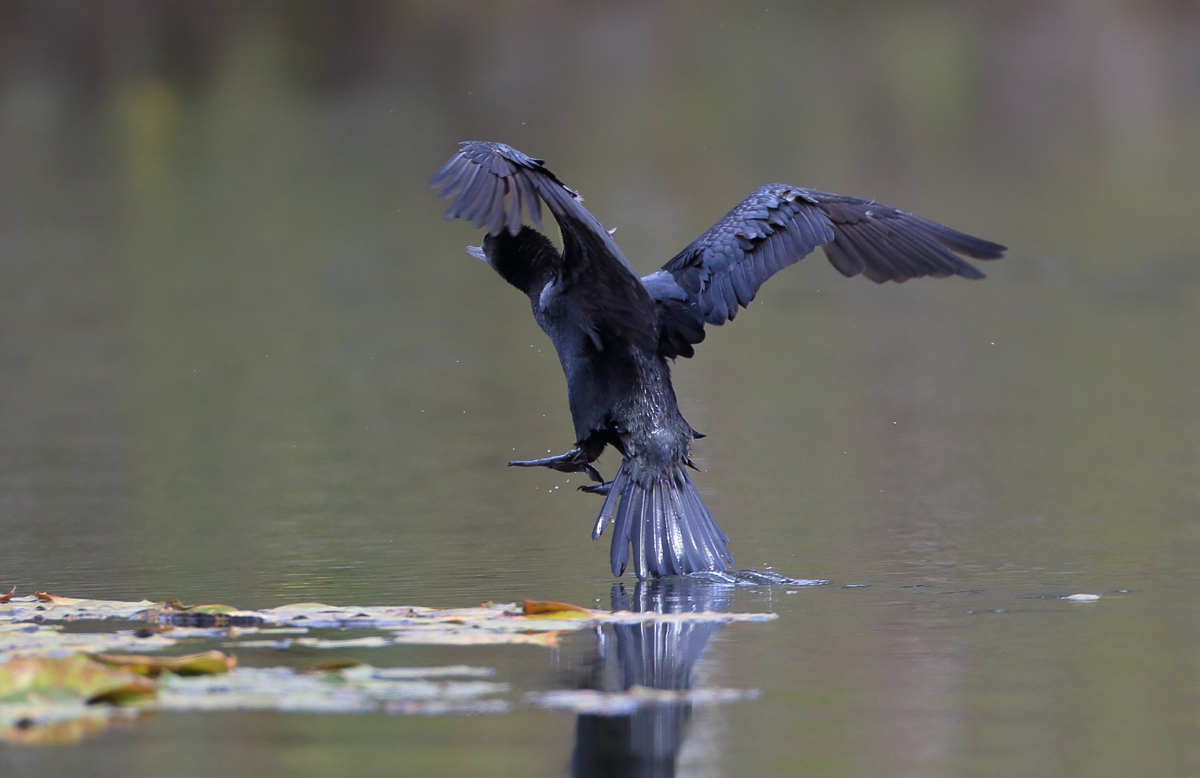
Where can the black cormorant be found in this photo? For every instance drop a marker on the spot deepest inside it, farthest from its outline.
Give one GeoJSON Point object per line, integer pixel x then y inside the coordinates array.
{"type": "Point", "coordinates": [614, 331]}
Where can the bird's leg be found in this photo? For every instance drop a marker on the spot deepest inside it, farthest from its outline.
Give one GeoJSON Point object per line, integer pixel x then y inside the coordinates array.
{"type": "Point", "coordinates": [574, 461]}
{"type": "Point", "coordinates": [601, 489]}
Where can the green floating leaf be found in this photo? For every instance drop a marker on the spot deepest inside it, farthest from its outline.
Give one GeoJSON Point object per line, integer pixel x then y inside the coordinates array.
{"type": "Point", "coordinates": [76, 676]}
{"type": "Point", "coordinates": [54, 700]}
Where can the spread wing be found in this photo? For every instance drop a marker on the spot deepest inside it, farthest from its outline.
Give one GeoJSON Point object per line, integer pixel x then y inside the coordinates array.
{"type": "Point", "coordinates": [492, 184]}
{"type": "Point", "coordinates": [779, 225]}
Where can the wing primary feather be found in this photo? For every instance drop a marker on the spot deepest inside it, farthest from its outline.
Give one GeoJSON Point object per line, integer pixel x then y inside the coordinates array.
{"type": "Point", "coordinates": [466, 192]}
{"type": "Point", "coordinates": [532, 201]}
{"type": "Point", "coordinates": [494, 206]}
{"type": "Point", "coordinates": [849, 265]}
{"type": "Point", "coordinates": [918, 258]}
{"type": "Point", "coordinates": [476, 197]}
{"type": "Point", "coordinates": [923, 257]}
{"type": "Point", "coordinates": [897, 262]}
{"type": "Point", "coordinates": [959, 241]}
{"type": "Point", "coordinates": [876, 263]}
{"type": "Point", "coordinates": [513, 198]}
{"type": "Point", "coordinates": [449, 178]}
{"type": "Point", "coordinates": [871, 268]}
{"type": "Point", "coordinates": [935, 253]}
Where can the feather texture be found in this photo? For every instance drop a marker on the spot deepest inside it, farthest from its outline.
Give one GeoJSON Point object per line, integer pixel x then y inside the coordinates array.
{"type": "Point", "coordinates": [777, 226]}
{"type": "Point", "coordinates": [614, 332]}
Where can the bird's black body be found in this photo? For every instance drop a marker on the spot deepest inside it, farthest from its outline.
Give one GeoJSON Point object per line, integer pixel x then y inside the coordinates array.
{"type": "Point", "coordinates": [614, 332]}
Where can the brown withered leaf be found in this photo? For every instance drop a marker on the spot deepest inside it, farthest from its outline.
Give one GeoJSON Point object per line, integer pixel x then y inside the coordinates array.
{"type": "Point", "coordinates": [47, 597]}
{"type": "Point", "coordinates": [332, 666]}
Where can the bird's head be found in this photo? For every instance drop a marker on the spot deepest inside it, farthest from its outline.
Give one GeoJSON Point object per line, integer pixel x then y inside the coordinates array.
{"type": "Point", "coordinates": [527, 260]}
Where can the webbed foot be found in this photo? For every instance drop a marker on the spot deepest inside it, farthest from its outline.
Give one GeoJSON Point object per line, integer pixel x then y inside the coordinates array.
{"type": "Point", "coordinates": [574, 461]}
{"type": "Point", "coordinates": [600, 489]}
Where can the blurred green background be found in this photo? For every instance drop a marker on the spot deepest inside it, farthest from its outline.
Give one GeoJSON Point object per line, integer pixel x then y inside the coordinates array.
{"type": "Point", "coordinates": [243, 360]}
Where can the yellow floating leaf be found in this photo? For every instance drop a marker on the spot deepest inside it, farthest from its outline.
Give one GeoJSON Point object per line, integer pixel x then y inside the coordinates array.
{"type": "Point", "coordinates": [211, 609]}
{"type": "Point", "coordinates": [207, 663]}
{"type": "Point", "coordinates": [555, 610]}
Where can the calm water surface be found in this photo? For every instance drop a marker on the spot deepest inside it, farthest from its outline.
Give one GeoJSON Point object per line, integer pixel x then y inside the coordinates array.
{"type": "Point", "coordinates": [243, 360]}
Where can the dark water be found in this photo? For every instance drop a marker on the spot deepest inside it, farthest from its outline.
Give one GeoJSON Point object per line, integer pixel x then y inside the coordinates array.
{"type": "Point", "coordinates": [243, 360]}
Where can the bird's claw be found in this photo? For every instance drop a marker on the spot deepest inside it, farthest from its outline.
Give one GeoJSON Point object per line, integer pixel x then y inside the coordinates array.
{"type": "Point", "coordinates": [601, 488]}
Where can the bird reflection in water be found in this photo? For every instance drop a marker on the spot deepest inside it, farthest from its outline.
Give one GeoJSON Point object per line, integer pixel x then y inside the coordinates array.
{"type": "Point", "coordinates": [656, 655]}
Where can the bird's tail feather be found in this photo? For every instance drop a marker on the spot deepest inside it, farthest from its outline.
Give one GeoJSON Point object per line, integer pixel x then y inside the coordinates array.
{"type": "Point", "coordinates": [665, 522]}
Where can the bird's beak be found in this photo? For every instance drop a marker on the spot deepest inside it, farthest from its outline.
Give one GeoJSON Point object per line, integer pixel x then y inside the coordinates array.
{"type": "Point", "coordinates": [477, 252]}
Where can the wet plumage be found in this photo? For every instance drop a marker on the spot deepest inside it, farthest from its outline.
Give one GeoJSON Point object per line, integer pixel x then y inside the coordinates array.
{"type": "Point", "coordinates": [614, 331]}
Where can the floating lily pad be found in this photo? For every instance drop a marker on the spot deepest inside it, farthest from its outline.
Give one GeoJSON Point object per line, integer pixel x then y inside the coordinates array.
{"type": "Point", "coordinates": [51, 608]}
{"type": "Point", "coordinates": [23, 679]}
{"type": "Point", "coordinates": [39, 639]}
{"type": "Point", "coordinates": [489, 624]}
{"type": "Point", "coordinates": [360, 689]}
{"type": "Point", "coordinates": [53, 689]}
{"type": "Point", "coordinates": [57, 699]}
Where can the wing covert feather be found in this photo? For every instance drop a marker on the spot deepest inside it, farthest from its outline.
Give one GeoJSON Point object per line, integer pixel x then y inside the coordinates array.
{"type": "Point", "coordinates": [777, 226]}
